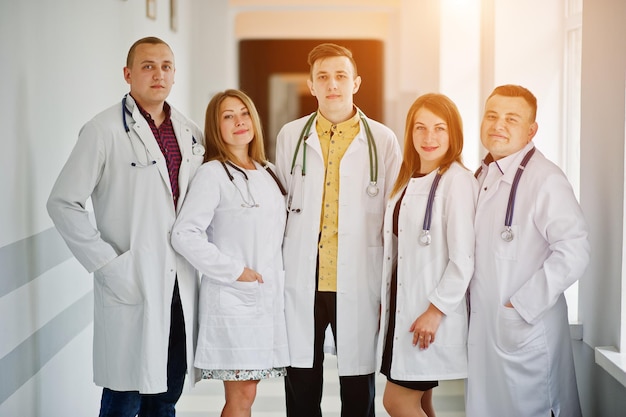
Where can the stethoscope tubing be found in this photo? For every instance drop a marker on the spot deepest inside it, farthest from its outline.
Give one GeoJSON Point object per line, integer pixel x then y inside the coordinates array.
{"type": "Point", "coordinates": [371, 147]}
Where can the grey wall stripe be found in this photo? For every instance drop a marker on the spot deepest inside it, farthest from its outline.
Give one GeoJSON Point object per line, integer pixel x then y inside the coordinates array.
{"type": "Point", "coordinates": [26, 259]}
{"type": "Point", "coordinates": [23, 362]}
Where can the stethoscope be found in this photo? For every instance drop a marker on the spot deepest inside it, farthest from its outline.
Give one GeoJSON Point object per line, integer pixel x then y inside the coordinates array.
{"type": "Point", "coordinates": [372, 188]}
{"type": "Point", "coordinates": [196, 148]}
{"type": "Point", "coordinates": [507, 233]}
{"type": "Point", "coordinates": [249, 201]}
{"type": "Point", "coordinates": [425, 238]}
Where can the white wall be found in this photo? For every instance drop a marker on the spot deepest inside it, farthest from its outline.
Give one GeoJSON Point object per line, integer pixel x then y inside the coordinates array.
{"type": "Point", "coordinates": [61, 64]}
{"type": "Point", "coordinates": [602, 168]}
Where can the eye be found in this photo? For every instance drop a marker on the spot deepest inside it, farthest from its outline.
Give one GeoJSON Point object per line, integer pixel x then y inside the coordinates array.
{"type": "Point", "coordinates": [511, 120]}
{"type": "Point", "coordinates": [490, 117]}
{"type": "Point", "coordinates": [148, 66]}
{"type": "Point", "coordinates": [228, 116]}
{"type": "Point", "coordinates": [167, 67]}
{"type": "Point", "coordinates": [420, 127]}
{"type": "Point", "coordinates": [440, 128]}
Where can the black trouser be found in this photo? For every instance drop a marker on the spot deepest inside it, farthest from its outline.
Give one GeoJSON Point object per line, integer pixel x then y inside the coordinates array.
{"type": "Point", "coordinates": [132, 403]}
{"type": "Point", "coordinates": [303, 386]}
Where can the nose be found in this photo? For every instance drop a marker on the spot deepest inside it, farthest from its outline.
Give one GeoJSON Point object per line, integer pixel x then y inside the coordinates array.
{"type": "Point", "coordinates": [158, 74]}
{"type": "Point", "coordinates": [238, 121]}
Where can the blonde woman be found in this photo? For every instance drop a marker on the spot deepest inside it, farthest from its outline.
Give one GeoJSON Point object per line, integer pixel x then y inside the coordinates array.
{"type": "Point", "coordinates": [231, 229]}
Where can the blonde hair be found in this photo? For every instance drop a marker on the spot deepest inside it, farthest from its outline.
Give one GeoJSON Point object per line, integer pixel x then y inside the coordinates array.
{"type": "Point", "coordinates": [215, 146]}
{"type": "Point", "coordinates": [443, 107]}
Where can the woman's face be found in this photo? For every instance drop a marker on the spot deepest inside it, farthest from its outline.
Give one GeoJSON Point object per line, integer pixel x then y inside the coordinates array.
{"type": "Point", "coordinates": [430, 138]}
{"type": "Point", "coordinates": [235, 123]}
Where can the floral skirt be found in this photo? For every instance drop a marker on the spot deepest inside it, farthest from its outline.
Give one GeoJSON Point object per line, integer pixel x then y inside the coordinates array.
{"type": "Point", "coordinates": [242, 374]}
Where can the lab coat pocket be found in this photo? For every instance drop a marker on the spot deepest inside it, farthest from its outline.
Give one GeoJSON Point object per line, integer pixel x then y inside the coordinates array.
{"type": "Point", "coordinates": [239, 298]}
{"type": "Point", "coordinates": [118, 281]}
{"type": "Point", "coordinates": [514, 334]}
{"type": "Point", "coordinates": [503, 249]}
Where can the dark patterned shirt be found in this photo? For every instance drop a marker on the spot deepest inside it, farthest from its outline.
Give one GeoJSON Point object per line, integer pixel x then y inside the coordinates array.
{"type": "Point", "coordinates": [166, 138]}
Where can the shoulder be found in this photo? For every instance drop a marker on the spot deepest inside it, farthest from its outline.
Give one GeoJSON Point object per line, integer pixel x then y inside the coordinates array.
{"type": "Point", "coordinates": [380, 131]}
{"type": "Point", "coordinates": [541, 168]}
{"type": "Point", "coordinates": [296, 125]}
{"type": "Point", "coordinates": [106, 124]}
{"type": "Point", "coordinates": [460, 178]}
{"type": "Point", "coordinates": [178, 116]}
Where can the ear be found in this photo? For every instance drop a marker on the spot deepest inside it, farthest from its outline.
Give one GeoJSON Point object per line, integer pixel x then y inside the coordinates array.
{"type": "Point", "coordinates": [357, 84]}
{"type": "Point", "coordinates": [127, 74]}
{"type": "Point", "coordinates": [309, 83]}
{"type": "Point", "coordinates": [532, 131]}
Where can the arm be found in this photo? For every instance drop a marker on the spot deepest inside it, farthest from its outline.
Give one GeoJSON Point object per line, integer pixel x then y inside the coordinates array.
{"type": "Point", "coordinates": [459, 208]}
{"type": "Point", "coordinates": [189, 232]}
{"type": "Point", "coordinates": [559, 220]}
{"type": "Point", "coordinates": [66, 204]}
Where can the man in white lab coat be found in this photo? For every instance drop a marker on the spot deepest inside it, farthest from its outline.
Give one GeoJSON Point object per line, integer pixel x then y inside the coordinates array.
{"type": "Point", "coordinates": [135, 160]}
{"type": "Point", "coordinates": [520, 354]}
{"type": "Point", "coordinates": [339, 167]}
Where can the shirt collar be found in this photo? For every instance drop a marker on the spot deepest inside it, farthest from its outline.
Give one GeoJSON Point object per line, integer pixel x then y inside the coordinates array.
{"type": "Point", "coordinates": [513, 160]}
{"type": "Point", "coordinates": [324, 126]}
{"type": "Point", "coordinates": [166, 108]}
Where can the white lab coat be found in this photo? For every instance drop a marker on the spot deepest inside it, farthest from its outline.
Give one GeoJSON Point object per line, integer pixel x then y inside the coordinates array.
{"type": "Point", "coordinates": [438, 273]}
{"type": "Point", "coordinates": [129, 250]}
{"type": "Point", "coordinates": [242, 324]}
{"type": "Point", "coordinates": [520, 360]}
{"type": "Point", "coordinates": [359, 258]}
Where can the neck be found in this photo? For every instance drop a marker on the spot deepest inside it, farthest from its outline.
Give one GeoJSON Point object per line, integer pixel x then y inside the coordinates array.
{"type": "Point", "coordinates": [242, 158]}
{"type": "Point", "coordinates": [338, 116]}
{"type": "Point", "coordinates": [428, 167]}
{"type": "Point", "coordinates": [155, 110]}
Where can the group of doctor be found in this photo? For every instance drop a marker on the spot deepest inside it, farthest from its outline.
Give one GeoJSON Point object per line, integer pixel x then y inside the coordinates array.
{"type": "Point", "coordinates": [397, 253]}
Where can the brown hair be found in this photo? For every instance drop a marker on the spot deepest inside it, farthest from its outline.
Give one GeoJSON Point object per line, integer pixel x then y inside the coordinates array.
{"type": "Point", "coordinates": [511, 90]}
{"type": "Point", "coordinates": [327, 50]}
{"type": "Point", "coordinates": [216, 147]}
{"type": "Point", "coordinates": [151, 40]}
{"type": "Point", "coordinates": [443, 107]}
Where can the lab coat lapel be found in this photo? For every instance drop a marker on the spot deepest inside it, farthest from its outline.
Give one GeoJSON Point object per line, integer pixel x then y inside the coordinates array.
{"type": "Point", "coordinates": [184, 136]}
{"type": "Point", "coordinates": [143, 131]}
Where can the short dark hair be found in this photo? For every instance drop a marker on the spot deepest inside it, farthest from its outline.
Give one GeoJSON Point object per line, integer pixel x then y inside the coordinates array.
{"type": "Point", "coordinates": [149, 40]}
{"type": "Point", "coordinates": [511, 90]}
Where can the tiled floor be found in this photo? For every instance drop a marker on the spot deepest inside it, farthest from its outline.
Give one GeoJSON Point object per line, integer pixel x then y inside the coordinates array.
{"type": "Point", "coordinates": [207, 398]}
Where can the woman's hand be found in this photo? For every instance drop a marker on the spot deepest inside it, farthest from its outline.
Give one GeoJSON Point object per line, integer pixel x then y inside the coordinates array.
{"type": "Point", "coordinates": [425, 327]}
{"type": "Point", "coordinates": [250, 275]}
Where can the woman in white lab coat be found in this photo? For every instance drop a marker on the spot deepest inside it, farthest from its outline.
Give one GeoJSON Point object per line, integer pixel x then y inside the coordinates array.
{"type": "Point", "coordinates": [428, 260]}
{"type": "Point", "coordinates": [231, 229]}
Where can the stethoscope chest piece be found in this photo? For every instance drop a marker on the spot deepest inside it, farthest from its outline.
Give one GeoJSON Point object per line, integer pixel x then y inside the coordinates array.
{"type": "Point", "coordinates": [424, 238]}
{"type": "Point", "coordinates": [507, 234]}
{"type": "Point", "coordinates": [372, 189]}
{"type": "Point", "coordinates": [197, 149]}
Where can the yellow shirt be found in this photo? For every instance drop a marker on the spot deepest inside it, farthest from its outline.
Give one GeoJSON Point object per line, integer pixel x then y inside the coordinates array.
{"type": "Point", "coordinates": [334, 140]}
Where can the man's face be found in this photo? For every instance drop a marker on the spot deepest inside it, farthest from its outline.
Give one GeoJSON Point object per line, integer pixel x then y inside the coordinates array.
{"type": "Point", "coordinates": [151, 74]}
{"type": "Point", "coordinates": [507, 126]}
{"type": "Point", "coordinates": [334, 83]}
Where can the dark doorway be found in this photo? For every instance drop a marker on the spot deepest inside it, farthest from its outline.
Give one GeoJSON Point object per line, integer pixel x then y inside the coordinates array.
{"type": "Point", "coordinates": [260, 59]}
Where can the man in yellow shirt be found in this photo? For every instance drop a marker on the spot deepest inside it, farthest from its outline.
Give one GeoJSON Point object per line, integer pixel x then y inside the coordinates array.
{"type": "Point", "coordinates": [339, 167]}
